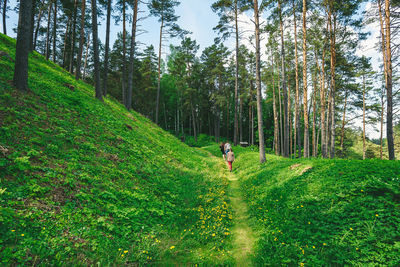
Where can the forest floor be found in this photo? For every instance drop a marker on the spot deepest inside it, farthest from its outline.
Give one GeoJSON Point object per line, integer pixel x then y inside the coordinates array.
{"type": "Point", "coordinates": [243, 236]}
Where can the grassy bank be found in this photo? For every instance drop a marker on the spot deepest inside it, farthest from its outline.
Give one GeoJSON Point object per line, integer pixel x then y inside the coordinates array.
{"type": "Point", "coordinates": [84, 182]}
{"type": "Point", "coordinates": [322, 212]}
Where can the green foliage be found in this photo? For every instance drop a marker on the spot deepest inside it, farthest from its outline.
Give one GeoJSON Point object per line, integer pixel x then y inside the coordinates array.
{"type": "Point", "coordinates": [87, 183]}
{"type": "Point", "coordinates": [322, 212]}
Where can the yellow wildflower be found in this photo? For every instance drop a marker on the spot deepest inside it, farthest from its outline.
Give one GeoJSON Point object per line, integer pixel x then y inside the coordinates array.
{"type": "Point", "coordinates": [172, 247]}
{"type": "Point", "coordinates": [12, 230]}
{"type": "Point", "coordinates": [125, 251]}
{"type": "Point", "coordinates": [376, 215]}
{"type": "Point", "coordinates": [213, 234]}
{"type": "Point", "coordinates": [119, 249]}
{"type": "Point", "coordinates": [22, 234]}
{"type": "Point", "coordinates": [324, 244]}
{"type": "Point", "coordinates": [351, 229]}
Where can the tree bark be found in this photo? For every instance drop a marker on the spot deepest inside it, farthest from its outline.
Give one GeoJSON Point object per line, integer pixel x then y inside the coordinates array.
{"type": "Point", "coordinates": [297, 99]}
{"type": "Point", "coordinates": [47, 53]}
{"type": "Point", "coordinates": [305, 100]}
{"type": "Point", "coordinates": [124, 52]}
{"type": "Point", "coordinates": [258, 82]}
{"type": "Point", "coordinates": [236, 127]}
{"type": "Point", "coordinates": [32, 24]}
{"type": "Point", "coordinates": [72, 54]}
{"type": "Point", "coordinates": [364, 147]}
{"type": "Point", "coordinates": [323, 102]}
{"type": "Point", "coordinates": [96, 75]}
{"type": "Point", "coordinates": [65, 41]}
{"type": "Point", "coordinates": [23, 45]}
{"type": "Point", "coordinates": [54, 31]}
{"type": "Point", "coordinates": [276, 124]}
{"type": "Point", "coordinates": [314, 103]}
{"type": "Point", "coordinates": [86, 56]}
{"type": "Point", "coordinates": [389, 84]}
{"type": "Point", "coordinates": [194, 122]}
{"type": "Point", "coordinates": [107, 48]}
{"type": "Point", "coordinates": [37, 28]}
{"type": "Point", "coordinates": [382, 117]}
{"type": "Point", "coordinates": [5, 17]}
{"type": "Point", "coordinates": [286, 134]}
{"type": "Point", "coordinates": [332, 31]}
{"type": "Point", "coordinates": [159, 68]}
{"type": "Point", "coordinates": [81, 41]}
{"type": "Point", "coordinates": [131, 57]}
{"type": "Point", "coordinates": [343, 124]}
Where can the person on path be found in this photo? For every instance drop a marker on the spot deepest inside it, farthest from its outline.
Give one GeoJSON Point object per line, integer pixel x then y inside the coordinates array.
{"type": "Point", "coordinates": [222, 147]}
{"type": "Point", "coordinates": [227, 147]}
{"type": "Point", "coordinates": [230, 157]}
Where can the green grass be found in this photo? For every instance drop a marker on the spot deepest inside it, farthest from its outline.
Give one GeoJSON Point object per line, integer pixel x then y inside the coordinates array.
{"type": "Point", "coordinates": [322, 212]}
{"type": "Point", "coordinates": [84, 182]}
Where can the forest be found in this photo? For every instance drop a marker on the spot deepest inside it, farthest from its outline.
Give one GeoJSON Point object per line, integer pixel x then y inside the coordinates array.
{"type": "Point", "coordinates": [109, 143]}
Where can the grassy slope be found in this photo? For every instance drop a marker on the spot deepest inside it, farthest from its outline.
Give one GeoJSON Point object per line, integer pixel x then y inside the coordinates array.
{"type": "Point", "coordinates": [85, 182]}
{"type": "Point", "coordinates": [322, 212]}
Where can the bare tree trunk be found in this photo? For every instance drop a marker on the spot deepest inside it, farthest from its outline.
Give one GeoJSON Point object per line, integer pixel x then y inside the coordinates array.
{"type": "Point", "coordinates": [241, 121]}
{"type": "Point", "coordinates": [297, 99]}
{"type": "Point", "coordinates": [47, 54]}
{"type": "Point", "coordinates": [389, 84]}
{"type": "Point", "coordinates": [81, 41]}
{"type": "Point", "coordinates": [55, 31]}
{"type": "Point", "coordinates": [276, 124]}
{"type": "Point", "coordinates": [194, 122]}
{"type": "Point", "coordinates": [124, 53]}
{"type": "Point", "coordinates": [107, 48]}
{"type": "Point", "coordinates": [159, 68]}
{"type": "Point", "coordinates": [332, 31]}
{"type": "Point", "coordinates": [131, 57]}
{"type": "Point", "coordinates": [286, 134]}
{"type": "Point", "coordinates": [382, 117]}
{"type": "Point", "coordinates": [23, 45]}
{"type": "Point", "coordinates": [236, 127]}
{"type": "Point", "coordinates": [96, 75]}
{"type": "Point", "coordinates": [4, 17]}
{"type": "Point", "coordinates": [38, 26]}
{"type": "Point", "coordinates": [323, 102]}
{"type": "Point", "coordinates": [86, 56]}
{"type": "Point", "coordinates": [314, 103]}
{"type": "Point", "coordinates": [72, 55]}
{"type": "Point", "coordinates": [32, 25]}
{"type": "Point", "coordinates": [290, 121]}
{"type": "Point", "coordinates": [258, 82]}
{"type": "Point", "coordinates": [343, 124]}
{"type": "Point", "coordinates": [364, 147]}
{"type": "Point", "coordinates": [65, 41]}
{"type": "Point", "coordinates": [305, 104]}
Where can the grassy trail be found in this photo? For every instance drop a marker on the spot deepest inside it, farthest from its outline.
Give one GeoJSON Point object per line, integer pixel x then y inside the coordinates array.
{"type": "Point", "coordinates": [243, 236]}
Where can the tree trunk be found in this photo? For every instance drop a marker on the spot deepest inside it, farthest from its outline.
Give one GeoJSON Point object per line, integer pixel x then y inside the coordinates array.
{"type": "Point", "coordinates": [96, 75]}
{"type": "Point", "coordinates": [194, 122]}
{"type": "Point", "coordinates": [389, 84]}
{"type": "Point", "coordinates": [297, 99]}
{"type": "Point", "coordinates": [286, 134]}
{"type": "Point", "coordinates": [276, 124]}
{"type": "Point", "coordinates": [47, 53]}
{"type": "Point", "coordinates": [323, 102]}
{"type": "Point", "coordinates": [305, 96]}
{"type": "Point", "coordinates": [332, 31]}
{"type": "Point", "coordinates": [124, 52]}
{"type": "Point", "coordinates": [236, 130]}
{"type": "Point", "coordinates": [71, 56]}
{"type": "Point", "coordinates": [65, 40]}
{"type": "Point", "coordinates": [22, 49]}
{"type": "Point", "coordinates": [258, 82]}
{"type": "Point", "coordinates": [107, 48]}
{"type": "Point", "coordinates": [159, 68]}
{"type": "Point", "coordinates": [363, 115]}
{"type": "Point", "coordinates": [81, 41]}
{"type": "Point", "coordinates": [86, 56]}
{"type": "Point", "coordinates": [32, 25]}
{"type": "Point", "coordinates": [240, 121]}
{"type": "Point", "coordinates": [38, 26]}
{"type": "Point", "coordinates": [382, 117]}
{"type": "Point", "coordinates": [54, 31]}
{"type": "Point", "coordinates": [314, 104]}
{"type": "Point", "coordinates": [5, 17]}
{"type": "Point", "coordinates": [343, 124]}
{"type": "Point", "coordinates": [131, 57]}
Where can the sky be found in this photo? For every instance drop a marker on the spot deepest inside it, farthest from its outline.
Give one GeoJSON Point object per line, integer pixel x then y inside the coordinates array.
{"type": "Point", "coordinates": [197, 17]}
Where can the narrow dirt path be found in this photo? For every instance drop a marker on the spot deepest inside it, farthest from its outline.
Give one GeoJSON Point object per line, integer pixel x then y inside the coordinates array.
{"type": "Point", "coordinates": [243, 236]}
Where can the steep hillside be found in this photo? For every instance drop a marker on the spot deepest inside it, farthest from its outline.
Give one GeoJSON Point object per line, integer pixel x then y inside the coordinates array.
{"type": "Point", "coordinates": [84, 182]}
{"type": "Point", "coordinates": [322, 212]}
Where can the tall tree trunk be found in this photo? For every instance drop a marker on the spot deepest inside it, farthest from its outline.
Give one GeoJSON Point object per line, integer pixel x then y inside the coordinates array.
{"type": "Point", "coordinates": [5, 17]}
{"type": "Point", "coordinates": [194, 122]}
{"type": "Point", "coordinates": [382, 117]}
{"type": "Point", "coordinates": [276, 124]}
{"type": "Point", "coordinates": [328, 121]}
{"type": "Point", "coordinates": [72, 54]}
{"type": "Point", "coordinates": [23, 45]}
{"type": "Point", "coordinates": [47, 54]}
{"type": "Point", "coordinates": [81, 41]}
{"type": "Point", "coordinates": [54, 31]}
{"type": "Point", "coordinates": [343, 124]}
{"type": "Point", "coordinates": [297, 99]}
{"type": "Point", "coordinates": [107, 48]}
{"type": "Point", "coordinates": [389, 84]}
{"type": "Point", "coordinates": [124, 52]}
{"type": "Point", "coordinates": [258, 82]}
{"type": "Point", "coordinates": [290, 121]}
{"type": "Point", "coordinates": [32, 25]}
{"type": "Point", "coordinates": [65, 41]}
{"type": "Point", "coordinates": [314, 103]}
{"type": "Point", "coordinates": [131, 57]}
{"type": "Point", "coordinates": [305, 96]}
{"type": "Point", "coordinates": [86, 56]}
{"type": "Point", "coordinates": [364, 147]}
{"type": "Point", "coordinates": [286, 134]}
{"type": "Point", "coordinates": [236, 130]}
{"type": "Point", "coordinates": [241, 121]}
{"type": "Point", "coordinates": [159, 67]}
{"type": "Point", "coordinates": [96, 75]}
{"type": "Point", "coordinates": [332, 31]}
{"type": "Point", "coordinates": [323, 102]}
{"type": "Point", "coordinates": [37, 27]}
